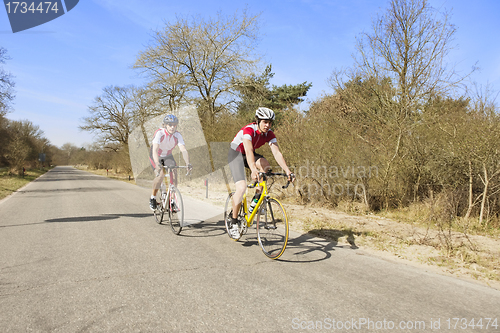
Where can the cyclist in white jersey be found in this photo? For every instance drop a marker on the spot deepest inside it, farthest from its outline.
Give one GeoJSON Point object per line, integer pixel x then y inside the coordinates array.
{"type": "Point", "coordinates": [164, 141]}
{"type": "Point", "coordinates": [242, 154]}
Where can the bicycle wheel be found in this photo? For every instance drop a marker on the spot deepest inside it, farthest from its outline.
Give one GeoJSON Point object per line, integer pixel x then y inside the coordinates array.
{"type": "Point", "coordinates": [160, 210]}
{"type": "Point", "coordinates": [272, 228]}
{"type": "Point", "coordinates": [228, 212]}
{"type": "Point", "coordinates": [175, 210]}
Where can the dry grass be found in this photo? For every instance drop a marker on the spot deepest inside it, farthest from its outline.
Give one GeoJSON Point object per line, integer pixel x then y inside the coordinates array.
{"type": "Point", "coordinates": [109, 173]}
{"type": "Point", "coordinates": [425, 215]}
{"type": "Point", "coordinates": [9, 183]}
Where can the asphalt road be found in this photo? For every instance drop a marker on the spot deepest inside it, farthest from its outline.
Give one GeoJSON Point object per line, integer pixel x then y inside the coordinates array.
{"type": "Point", "coordinates": [83, 253]}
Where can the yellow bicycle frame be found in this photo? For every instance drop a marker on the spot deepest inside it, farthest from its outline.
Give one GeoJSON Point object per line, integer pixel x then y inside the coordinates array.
{"type": "Point", "coordinates": [263, 194]}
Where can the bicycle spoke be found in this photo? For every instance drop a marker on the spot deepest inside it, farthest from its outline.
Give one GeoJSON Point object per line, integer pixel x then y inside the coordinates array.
{"type": "Point", "coordinates": [175, 210]}
{"type": "Point", "coordinates": [159, 211]}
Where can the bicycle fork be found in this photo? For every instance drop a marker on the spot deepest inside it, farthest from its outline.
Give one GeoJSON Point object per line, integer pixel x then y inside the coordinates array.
{"type": "Point", "coordinates": [268, 225]}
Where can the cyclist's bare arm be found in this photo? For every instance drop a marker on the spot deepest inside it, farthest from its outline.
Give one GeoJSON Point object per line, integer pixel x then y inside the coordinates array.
{"type": "Point", "coordinates": [156, 158]}
{"type": "Point", "coordinates": [185, 154]}
{"type": "Point", "coordinates": [278, 156]}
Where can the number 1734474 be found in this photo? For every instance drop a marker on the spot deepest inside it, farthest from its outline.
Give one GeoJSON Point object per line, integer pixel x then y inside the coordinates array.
{"type": "Point", "coordinates": [30, 7]}
{"type": "Point", "coordinates": [465, 324]}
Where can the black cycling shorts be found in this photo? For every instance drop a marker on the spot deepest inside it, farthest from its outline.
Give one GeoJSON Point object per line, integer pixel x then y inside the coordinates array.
{"type": "Point", "coordinates": [164, 160]}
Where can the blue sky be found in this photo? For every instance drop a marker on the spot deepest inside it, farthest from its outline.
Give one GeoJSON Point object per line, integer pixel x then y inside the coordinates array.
{"type": "Point", "coordinates": [61, 66]}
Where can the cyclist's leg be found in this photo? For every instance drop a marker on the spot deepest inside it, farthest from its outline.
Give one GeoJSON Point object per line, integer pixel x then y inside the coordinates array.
{"type": "Point", "coordinates": [158, 178]}
{"type": "Point", "coordinates": [263, 165]}
{"type": "Point", "coordinates": [153, 200]}
{"type": "Point", "coordinates": [237, 166]}
{"type": "Point", "coordinates": [157, 181]}
{"type": "Point", "coordinates": [241, 187]}
{"type": "Point", "coordinates": [170, 161]}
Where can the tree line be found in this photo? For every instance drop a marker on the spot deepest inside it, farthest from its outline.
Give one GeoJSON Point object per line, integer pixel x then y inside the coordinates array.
{"type": "Point", "coordinates": [21, 141]}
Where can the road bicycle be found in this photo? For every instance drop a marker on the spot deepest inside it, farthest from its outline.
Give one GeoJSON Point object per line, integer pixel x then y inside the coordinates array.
{"type": "Point", "coordinates": [171, 202]}
{"type": "Point", "coordinates": [272, 222]}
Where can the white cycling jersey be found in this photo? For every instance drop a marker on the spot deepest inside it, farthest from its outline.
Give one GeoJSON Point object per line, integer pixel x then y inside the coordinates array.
{"type": "Point", "coordinates": [167, 142]}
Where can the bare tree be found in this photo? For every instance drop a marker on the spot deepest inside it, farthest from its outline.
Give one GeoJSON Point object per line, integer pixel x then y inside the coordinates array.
{"type": "Point", "coordinates": [485, 148]}
{"type": "Point", "coordinates": [168, 81]}
{"type": "Point", "coordinates": [146, 105]}
{"type": "Point", "coordinates": [6, 85]}
{"type": "Point", "coordinates": [201, 59]}
{"type": "Point", "coordinates": [407, 46]}
{"type": "Point", "coordinates": [25, 142]}
{"type": "Point", "coordinates": [111, 117]}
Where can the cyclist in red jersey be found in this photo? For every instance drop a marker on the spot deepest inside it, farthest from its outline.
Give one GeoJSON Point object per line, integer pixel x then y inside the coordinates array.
{"type": "Point", "coordinates": [242, 154]}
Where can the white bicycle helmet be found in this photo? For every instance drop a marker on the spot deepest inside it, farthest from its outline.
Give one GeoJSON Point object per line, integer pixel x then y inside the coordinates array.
{"type": "Point", "coordinates": [264, 113]}
{"type": "Point", "coordinates": [170, 119]}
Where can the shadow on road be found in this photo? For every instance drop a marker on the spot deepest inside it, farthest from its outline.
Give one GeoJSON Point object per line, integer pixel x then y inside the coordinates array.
{"type": "Point", "coordinates": [317, 245]}
{"type": "Point", "coordinates": [304, 248]}
{"type": "Point", "coordinates": [212, 227]}
{"type": "Point", "coordinates": [309, 247]}
{"type": "Point", "coordinates": [102, 217]}
{"type": "Point", "coordinates": [70, 174]}
{"type": "Point", "coordinates": [72, 177]}
{"type": "Point", "coordinates": [74, 190]}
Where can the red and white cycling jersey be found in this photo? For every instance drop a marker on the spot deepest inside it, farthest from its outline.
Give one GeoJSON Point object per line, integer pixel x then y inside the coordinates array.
{"type": "Point", "coordinates": [251, 132]}
{"type": "Point", "coordinates": [167, 142]}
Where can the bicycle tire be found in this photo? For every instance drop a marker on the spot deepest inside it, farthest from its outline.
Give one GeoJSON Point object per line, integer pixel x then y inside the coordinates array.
{"type": "Point", "coordinates": [160, 210]}
{"type": "Point", "coordinates": [228, 212]}
{"type": "Point", "coordinates": [175, 212]}
{"type": "Point", "coordinates": [272, 228]}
